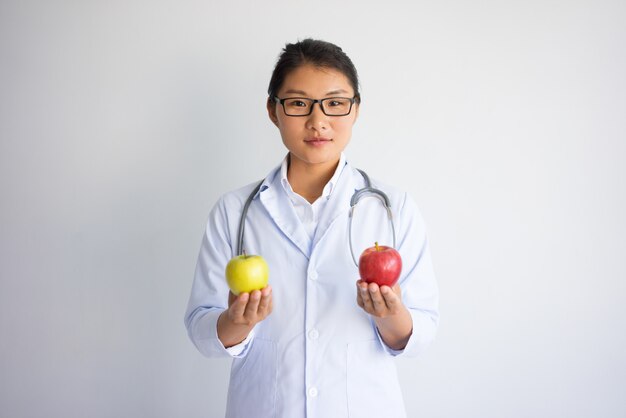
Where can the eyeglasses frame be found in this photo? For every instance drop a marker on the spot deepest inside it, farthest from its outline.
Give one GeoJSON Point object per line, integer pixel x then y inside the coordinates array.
{"type": "Point", "coordinates": [282, 102]}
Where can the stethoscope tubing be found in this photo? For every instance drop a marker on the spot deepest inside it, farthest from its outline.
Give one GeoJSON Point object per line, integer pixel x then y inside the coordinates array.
{"type": "Point", "coordinates": [375, 193]}
{"type": "Point", "coordinates": [242, 220]}
{"type": "Point", "coordinates": [367, 191]}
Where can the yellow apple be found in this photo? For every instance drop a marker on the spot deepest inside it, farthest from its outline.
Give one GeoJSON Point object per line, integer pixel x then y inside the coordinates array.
{"type": "Point", "coordinates": [245, 273]}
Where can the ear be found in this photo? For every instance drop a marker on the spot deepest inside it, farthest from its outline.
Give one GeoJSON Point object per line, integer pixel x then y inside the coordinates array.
{"type": "Point", "coordinates": [271, 111]}
{"type": "Point", "coordinates": [357, 106]}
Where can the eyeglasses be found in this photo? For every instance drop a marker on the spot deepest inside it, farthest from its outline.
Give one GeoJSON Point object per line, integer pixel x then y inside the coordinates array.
{"type": "Point", "coordinates": [302, 106]}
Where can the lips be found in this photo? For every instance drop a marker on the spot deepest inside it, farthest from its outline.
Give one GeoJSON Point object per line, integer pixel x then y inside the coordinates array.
{"type": "Point", "coordinates": [317, 140]}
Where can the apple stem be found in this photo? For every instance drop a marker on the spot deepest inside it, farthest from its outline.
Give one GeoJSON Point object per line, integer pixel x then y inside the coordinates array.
{"type": "Point", "coordinates": [377, 247]}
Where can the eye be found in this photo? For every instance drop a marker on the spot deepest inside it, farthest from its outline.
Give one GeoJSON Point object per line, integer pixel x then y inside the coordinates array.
{"type": "Point", "coordinates": [296, 103]}
{"type": "Point", "coordinates": [338, 101]}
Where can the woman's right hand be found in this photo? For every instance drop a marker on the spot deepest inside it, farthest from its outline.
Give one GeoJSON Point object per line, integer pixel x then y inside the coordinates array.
{"type": "Point", "coordinates": [243, 313]}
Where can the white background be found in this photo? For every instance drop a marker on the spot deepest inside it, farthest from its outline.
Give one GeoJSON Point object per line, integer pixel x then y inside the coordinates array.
{"type": "Point", "coordinates": [121, 122]}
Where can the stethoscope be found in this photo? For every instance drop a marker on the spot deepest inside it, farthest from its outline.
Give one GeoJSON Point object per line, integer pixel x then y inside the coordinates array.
{"type": "Point", "coordinates": [367, 191]}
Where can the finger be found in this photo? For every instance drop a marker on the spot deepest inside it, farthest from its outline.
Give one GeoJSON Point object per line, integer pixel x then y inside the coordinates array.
{"type": "Point", "coordinates": [362, 286]}
{"type": "Point", "coordinates": [253, 304]}
{"type": "Point", "coordinates": [239, 305]}
{"type": "Point", "coordinates": [266, 300]}
{"type": "Point", "coordinates": [397, 290]}
{"type": "Point", "coordinates": [359, 299]}
{"type": "Point", "coordinates": [266, 290]}
{"type": "Point", "coordinates": [391, 299]}
{"type": "Point", "coordinates": [270, 307]}
{"type": "Point", "coordinates": [377, 300]}
{"type": "Point", "coordinates": [367, 301]}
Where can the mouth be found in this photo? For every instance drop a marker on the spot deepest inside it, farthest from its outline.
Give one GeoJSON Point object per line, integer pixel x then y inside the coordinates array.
{"type": "Point", "coordinates": [317, 140]}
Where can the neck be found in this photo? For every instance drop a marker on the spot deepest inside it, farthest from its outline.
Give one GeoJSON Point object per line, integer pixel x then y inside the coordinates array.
{"type": "Point", "coordinates": [308, 180]}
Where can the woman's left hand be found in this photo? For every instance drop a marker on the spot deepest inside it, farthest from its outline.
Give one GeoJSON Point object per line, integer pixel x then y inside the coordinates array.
{"type": "Point", "coordinates": [392, 318]}
{"type": "Point", "coordinates": [379, 301]}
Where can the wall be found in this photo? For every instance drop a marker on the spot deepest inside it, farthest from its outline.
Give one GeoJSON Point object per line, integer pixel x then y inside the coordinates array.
{"type": "Point", "coordinates": [122, 122]}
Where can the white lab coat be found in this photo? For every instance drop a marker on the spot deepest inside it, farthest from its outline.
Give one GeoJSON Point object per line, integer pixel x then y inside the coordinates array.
{"type": "Point", "coordinates": [318, 354]}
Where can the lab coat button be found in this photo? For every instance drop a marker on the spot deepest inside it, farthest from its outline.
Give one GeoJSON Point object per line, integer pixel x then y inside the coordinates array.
{"type": "Point", "coordinates": [314, 334]}
{"type": "Point", "coordinates": [313, 275]}
{"type": "Point", "coordinates": [313, 392]}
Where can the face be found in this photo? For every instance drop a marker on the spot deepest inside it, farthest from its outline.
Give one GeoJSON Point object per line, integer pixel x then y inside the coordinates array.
{"type": "Point", "coordinates": [317, 139]}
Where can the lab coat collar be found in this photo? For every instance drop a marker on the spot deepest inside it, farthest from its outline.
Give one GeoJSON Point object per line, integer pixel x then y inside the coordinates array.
{"type": "Point", "coordinates": [328, 187]}
{"type": "Point", "coordinates": [277, 173]}
{"type": "Point", "coordinates": [338, 204]}
{"type": "Point", "coordinates": [276, 201]}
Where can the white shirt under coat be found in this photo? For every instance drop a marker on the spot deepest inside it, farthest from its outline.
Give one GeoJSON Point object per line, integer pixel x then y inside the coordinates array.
{"type": "Point", "coordinates": [308, 213]}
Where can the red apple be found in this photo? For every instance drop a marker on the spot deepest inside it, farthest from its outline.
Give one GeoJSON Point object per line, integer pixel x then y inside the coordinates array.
{"type": "Point", "coordinates": [380, 264]}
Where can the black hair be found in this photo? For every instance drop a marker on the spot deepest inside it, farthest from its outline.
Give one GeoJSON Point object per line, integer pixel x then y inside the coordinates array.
{"type": "Point", "coordinates": [313, 52]}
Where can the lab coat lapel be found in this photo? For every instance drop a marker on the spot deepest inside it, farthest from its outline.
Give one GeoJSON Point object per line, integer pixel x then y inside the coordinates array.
{"type": "Point", "coordinates": [277, 204]}
{"type": "Point", "coordinates": [339, 202]}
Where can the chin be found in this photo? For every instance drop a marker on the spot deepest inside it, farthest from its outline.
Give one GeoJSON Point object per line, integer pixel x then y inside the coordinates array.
{"type": "Point", "coordinates": [317, 156]}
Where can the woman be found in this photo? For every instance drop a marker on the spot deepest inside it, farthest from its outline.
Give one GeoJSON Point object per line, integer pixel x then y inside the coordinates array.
{"type": "Point", "coordinates": [313, 343]}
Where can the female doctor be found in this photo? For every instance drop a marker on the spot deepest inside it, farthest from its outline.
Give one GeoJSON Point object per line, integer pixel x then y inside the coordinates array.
{"type": "Point", "coordinates": [316, 342]}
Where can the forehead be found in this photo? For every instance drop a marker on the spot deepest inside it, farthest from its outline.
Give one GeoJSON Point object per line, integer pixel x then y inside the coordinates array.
{"type": "Point", "coordinates": [316, 81]}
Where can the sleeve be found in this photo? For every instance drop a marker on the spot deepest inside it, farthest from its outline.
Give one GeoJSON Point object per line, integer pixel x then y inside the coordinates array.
{"type": "Point", "coordinates": [419, 288]}
{"type": "Point", "coordinates": [209, 292]}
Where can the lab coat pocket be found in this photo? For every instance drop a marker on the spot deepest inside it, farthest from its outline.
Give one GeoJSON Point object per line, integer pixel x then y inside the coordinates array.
{"type": "Point", "coordinates": [372, 382]}
{"type": "Point", "coordinates": [252, 389]}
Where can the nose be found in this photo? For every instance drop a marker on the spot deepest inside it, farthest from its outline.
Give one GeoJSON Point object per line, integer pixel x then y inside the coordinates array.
{"type": "Point", "coordinates": [317, 120]}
